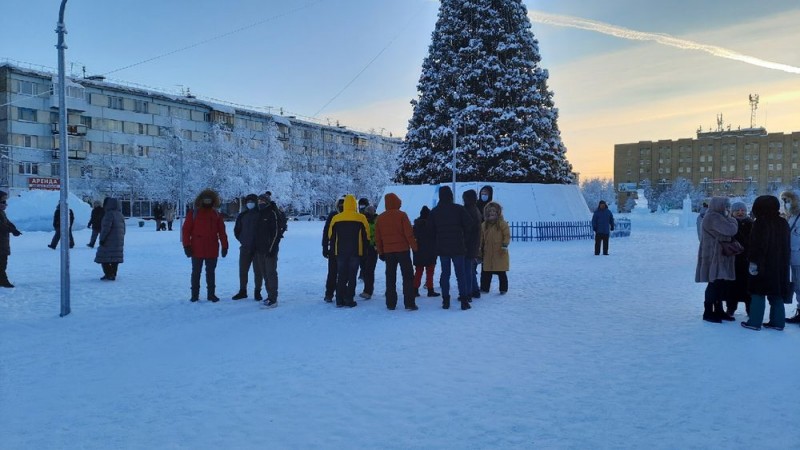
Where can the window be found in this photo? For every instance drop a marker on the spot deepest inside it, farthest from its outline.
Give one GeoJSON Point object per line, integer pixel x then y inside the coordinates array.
{"type": "Point", "coordinates": [115, 102]}
{"type": "Point", "coordinates": [86, 121]}
{"type": "Point", "coordinates": [55, 170]}
{"type": "Point", "coordinates": [140, 106]}
{"type": "Point", "coordinates": [28, 88]}
{"type": "Point", "coordinates": [28, 168]}
{"type": "Point", "coordinates": [27, 114]}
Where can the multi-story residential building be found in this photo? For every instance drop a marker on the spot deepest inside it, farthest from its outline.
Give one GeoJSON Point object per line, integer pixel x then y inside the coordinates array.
{"type": "Point", "coordinates": [722, 162]}
{"type": "Point", "coordinates": [111, 119]}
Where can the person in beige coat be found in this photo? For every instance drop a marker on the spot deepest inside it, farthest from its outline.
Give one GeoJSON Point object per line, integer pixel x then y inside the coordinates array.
{"type": "Point", "coordinates": [712, 266]}
{"type": "Point", "coordinates": [495, 237]}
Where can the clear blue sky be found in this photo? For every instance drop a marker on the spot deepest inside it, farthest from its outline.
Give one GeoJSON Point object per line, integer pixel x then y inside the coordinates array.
{"type": "Point", "coordinates": [609, 89]}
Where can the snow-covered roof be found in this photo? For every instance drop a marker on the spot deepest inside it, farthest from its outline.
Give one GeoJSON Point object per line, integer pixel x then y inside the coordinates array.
{"type": "Point", "coordinates": [521, 202]}
{"type": "Point", "coordinates": [282, 120]}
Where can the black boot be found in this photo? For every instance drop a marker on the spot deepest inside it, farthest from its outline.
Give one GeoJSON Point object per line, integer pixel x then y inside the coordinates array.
{"type": "Point", "coordinates": [239, 295]}
{"type": "Point", "coordinates": [465, 305]}
{"type": "Point", "coordinates": [195, 294]}
{"type": "Point", "coordinates": [211, 296]}
{"type": "Point", "coordinates": [796, 318]}
{"type": "Point", "coordinates": [721, 314]}
{"type": "Point", "coordinates": [257, 295]}
{"type": "Point", "coordinates": [709, 315]}
{"type": "Point", "coordinates": [432, 293]}
{"type": "Point", "coordinates": [445, 302]}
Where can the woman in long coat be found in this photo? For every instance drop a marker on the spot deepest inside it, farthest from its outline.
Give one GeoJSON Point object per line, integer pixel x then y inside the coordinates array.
{"type": "Point", "coordinates": [769, 264]}
{"type": "Point", "coordinates": [712, 266]}
{"type": "Point", "coordinates": [495, 237]}
{"type": "Point", "coordinates": [737, 289]}
{"type": "Point", "coordinates": [112, 239]}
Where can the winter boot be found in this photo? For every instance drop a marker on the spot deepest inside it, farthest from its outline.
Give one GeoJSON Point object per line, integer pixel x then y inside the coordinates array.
{"type": "Point", "coordinates": [465, 305]}
{"type": "Point", "coordinates": [239, 295]}
{"type": "Point", "coordinates": [432, 293]}
{"type": "Point", "coordinates": [257, 296]}
{"type": "Point", "coordinates": [709, 315]}
{"type": "Point", "coordinates": [211, 296]}
{"type": "Point", "coordinates": [195, 295]}
{"type": "Point", "coordinates": [445, 302]}
{"type": "Point", "coordinates": [720, 312]}
{"type": "Point", "coordinates": [796, 318]}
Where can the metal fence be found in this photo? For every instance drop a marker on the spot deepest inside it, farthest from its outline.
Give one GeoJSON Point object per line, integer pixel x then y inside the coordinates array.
{"type": "Point", "coordinates": [563, 231]}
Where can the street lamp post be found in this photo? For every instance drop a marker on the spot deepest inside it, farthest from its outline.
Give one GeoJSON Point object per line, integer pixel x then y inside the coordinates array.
{"type": "Point", "coordinates": [455, 133]}
{"type": "Point", "coordinates": [63, 161]}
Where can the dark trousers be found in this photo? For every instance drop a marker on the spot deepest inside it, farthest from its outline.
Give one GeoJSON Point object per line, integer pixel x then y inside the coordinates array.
{"type": "Point", "coordinates": [598, 238]}
{"type": "Point", "coordinates": [486, 280]}
{"type": "Point", "coordinates": [715, 292]}
{"type": "Point", "coordinates": [346, 278]}
{"type": "Point", "coordinates": [428, 276]}
{"type": "Point", "coordinates": [368, 263]}
{"type": "Point", "coordinates": [197, 267]}
{"type": "Point", "coordinates": [268, 265]}
{"type": "Point", "coordinates": [403, 259]}
{"type": "Point", "coordinates": [330, 281]}
{"type": "Point", "coordinates": [93, 239]}
{"type": "Point", "coordinates": [57, 237]}
{"type": "Point", "coordinates": [444, 278]}
{"type": "Point", "coordinates": [169, 225]}
{"type": "Point", "coordinates": [110, 269]}
{"type": "Point", "coordinates": [3, 268]}
{"type": "Point", "coordinates": [246, 258]}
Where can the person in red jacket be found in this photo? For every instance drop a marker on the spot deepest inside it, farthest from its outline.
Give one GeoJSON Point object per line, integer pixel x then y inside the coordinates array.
{"type": "Point", "coordinates": [203, 232]}
{"type": "Point", "coordinates": [394, 237]}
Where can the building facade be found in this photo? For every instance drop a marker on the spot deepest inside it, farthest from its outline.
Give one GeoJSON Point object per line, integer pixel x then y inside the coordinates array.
{"type": "Point", "coordinates": [724, 162]}
{"type": "Point", "coordinates": [107, 120]}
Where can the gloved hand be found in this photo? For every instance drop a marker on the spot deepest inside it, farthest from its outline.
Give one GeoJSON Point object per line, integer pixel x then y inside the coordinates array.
{"type": "Point", "coordinates": [325, 253]}
{"type": "Point", "coordinates": [16, 232]}
{"type": "Point", "coordinates": [753, 269]}
{"type": "Point", "coordinates": [187, 250]}
{"type": "Point", "coordinates": [224, 252]}
{"type": "Point", "coordinates": [382, 257]}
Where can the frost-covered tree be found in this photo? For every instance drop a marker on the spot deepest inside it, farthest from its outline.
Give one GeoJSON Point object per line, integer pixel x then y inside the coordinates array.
{"type": "Point", "coordinates": [482, 80]}
{"type": "Point", "coordinates": [596, 189]}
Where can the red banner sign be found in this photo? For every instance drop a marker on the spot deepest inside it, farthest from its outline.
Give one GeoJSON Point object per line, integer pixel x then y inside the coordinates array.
{"type": "Point", "coordinates": [51, 184]}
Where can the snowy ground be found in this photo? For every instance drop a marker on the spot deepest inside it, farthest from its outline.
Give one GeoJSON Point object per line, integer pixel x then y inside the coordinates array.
{"type": "Point", "coordinates": [584, 352]}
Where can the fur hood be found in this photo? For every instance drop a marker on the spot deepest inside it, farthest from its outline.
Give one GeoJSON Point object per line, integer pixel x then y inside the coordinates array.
{"type": "Point", "coordinates": [205, 193]}
{"type": "Point", "coordinates": [792, 207]}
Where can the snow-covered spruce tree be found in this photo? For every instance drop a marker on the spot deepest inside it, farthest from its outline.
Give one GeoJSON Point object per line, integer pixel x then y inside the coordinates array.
{"type": "Point", "coordinates": [482, 78]}
{"type": "Point", "coordinates": [596, 189]}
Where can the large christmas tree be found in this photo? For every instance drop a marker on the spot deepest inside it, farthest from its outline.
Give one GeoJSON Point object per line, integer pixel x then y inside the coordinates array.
{"type": "Point", "coordinates": [482, 80]}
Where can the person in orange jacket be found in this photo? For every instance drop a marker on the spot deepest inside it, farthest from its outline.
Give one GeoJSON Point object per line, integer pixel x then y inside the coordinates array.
{"type": "Point", "coordinates": [394, 237]}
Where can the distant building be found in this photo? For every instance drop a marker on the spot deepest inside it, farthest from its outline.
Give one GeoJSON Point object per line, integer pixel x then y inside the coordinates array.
{"type": "Point", "coordinates": [112, 119]}
{"type": "Point", "coordinates": [725, 162]}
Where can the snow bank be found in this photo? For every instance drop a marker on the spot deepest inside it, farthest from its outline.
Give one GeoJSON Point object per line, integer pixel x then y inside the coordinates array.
{"type": "Point", "coordinates": [33, 210]}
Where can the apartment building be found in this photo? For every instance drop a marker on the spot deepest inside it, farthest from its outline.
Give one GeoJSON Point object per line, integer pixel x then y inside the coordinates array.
{"type": "Point", "coordinates": [107, 119]}
{"type": "Point", "coordinates": [722, 162]}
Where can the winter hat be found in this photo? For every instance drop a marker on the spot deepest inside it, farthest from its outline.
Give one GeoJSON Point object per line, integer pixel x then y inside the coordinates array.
{"type": "Point", "coordinates": [363, 203]}
{"type": "Point", "coordinates": [739, 205]}
{"type": "Point", "coordinates": [766, 206]}
{"type": "Point", "coordinates": [445, 194]}
{"type": "Point", "coordinates": [265, 197]}
{"type": "Point", "coordinates": [424, 212]}
{"type": "Point", "coordinates": [470, 197]}
{"type": "Point", "coordinates": [602, 202]}
{"type": "Point", "coordinates": [251, 198]}
{"type": "Point", "coordinates": [3, 194]}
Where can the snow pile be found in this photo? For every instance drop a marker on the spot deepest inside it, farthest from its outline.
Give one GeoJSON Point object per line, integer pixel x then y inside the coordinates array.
{"type": "Point", "coordinates": [33, 210]}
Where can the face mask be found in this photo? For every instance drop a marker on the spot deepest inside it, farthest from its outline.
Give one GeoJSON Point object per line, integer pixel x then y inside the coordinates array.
{"type": "Point", "coordinates": [207, 202]}
{"type": "Point", "coordinates": [251, 205]}
{"type": "Point", "coordinates": [262, 205]}
{"type": "Point", "coordinates": [484, 198]}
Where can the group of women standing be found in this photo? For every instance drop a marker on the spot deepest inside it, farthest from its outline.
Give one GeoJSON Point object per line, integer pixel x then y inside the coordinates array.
{"type": "Point", "coordinates": [758, 274]}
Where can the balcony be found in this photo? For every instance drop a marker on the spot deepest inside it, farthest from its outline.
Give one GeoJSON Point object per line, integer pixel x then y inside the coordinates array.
{"type": "Point", "coordinates": [71, 154]}
{"type": "Point", "coordinates": [72, 130]}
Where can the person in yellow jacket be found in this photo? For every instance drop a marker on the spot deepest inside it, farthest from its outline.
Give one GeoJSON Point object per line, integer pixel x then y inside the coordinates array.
{"type": "Point", "coordinates": [495, 237]}
{"type": "Point", "coordinates": [348, 236]}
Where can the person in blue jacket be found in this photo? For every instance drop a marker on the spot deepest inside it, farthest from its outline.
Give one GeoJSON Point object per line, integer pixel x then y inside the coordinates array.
{"type": "Point", "coordinates": [602, 225]}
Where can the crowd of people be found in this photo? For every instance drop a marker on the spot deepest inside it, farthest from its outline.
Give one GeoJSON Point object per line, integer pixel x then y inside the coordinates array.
{"type": "Point", "coordinates": [463, 237]}
{"type": "Point", "coordinates": [752, 259]}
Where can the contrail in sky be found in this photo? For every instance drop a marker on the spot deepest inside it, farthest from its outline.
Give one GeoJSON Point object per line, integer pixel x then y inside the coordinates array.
{"type": "Point", "coordinates": [626, 33]}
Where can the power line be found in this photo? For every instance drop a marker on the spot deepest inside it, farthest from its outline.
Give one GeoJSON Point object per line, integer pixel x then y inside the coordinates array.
{"type": "Point", "coordinates": [394, 38]}
{"type": "Point", "coordinates": [214, 38]}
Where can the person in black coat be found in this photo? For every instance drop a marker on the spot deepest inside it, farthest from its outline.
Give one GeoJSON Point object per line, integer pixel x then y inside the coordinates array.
{"type": "Point", "coordinates": [57, 227]}
{"type": "Point", "coordinates": [737, 289]}
{"type": "Point", "coordinates": [472, 242]}
{"type": "Point", "coordinates": [450, 223]}
{"type": "Point", "coordinates": [768, 256]}
{"type": "Point", "coordinates": [6, 228]}
{"type": "Point", "coordinates": [245, 232]}
{"type": "Point", "coordinates": [425, 256]}
{"type": "Point", "coordinates": [95, 222]}
{"type": "Point", "coordinates": [268, 238]}
{"type": "Point", "coordinates": [330, 280]}
{"type": "Point", "coordinates": [158, 215]}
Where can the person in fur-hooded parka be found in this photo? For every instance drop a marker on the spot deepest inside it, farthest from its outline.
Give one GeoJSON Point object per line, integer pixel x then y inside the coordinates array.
{"type": "Point", "coordinates": [791, 210]}
{"type": "Point", "coordinates": [712, 266]}
{"type": "Point", "coordinates": [203, 233]}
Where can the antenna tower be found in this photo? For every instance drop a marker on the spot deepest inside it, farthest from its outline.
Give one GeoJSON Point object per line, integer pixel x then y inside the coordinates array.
{"type": "Point", "coordinates": [753, 108]}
